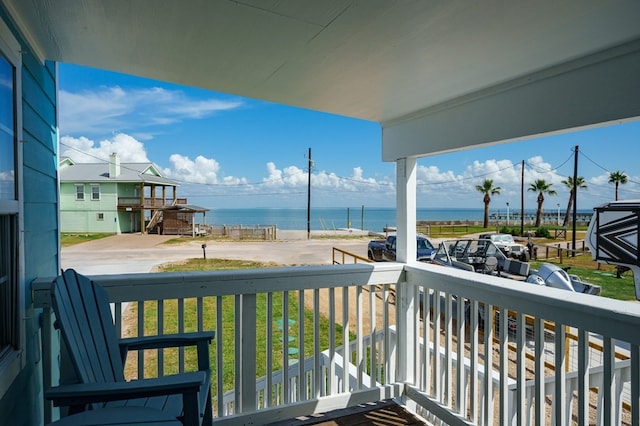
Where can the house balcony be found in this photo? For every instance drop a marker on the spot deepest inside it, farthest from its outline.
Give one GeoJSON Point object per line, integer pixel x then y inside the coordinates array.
{"type": "Point", "coordinates": [148, 202]}
{"type": "Point", "coordinates": [454, 347]}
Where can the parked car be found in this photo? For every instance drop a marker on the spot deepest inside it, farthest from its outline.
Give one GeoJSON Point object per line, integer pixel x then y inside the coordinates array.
{"type": "Point", "coordinates": [508, 246]}
{"type": "Point", "coordinates": [385, 250]}
{"type": "Point", "coordinates": [520, 252]}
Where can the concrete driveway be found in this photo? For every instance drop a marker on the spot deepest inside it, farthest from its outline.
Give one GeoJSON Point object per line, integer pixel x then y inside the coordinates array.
{"type": "Point", "coordinates": [135, 253]}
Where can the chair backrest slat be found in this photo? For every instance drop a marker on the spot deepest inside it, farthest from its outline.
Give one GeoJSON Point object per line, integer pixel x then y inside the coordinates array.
{"type": "Point", "coordinates": [84, 316]}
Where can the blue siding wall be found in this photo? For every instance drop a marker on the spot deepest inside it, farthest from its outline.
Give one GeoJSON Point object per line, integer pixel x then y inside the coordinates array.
{"type": "Point", "coordinates": [23, 403]}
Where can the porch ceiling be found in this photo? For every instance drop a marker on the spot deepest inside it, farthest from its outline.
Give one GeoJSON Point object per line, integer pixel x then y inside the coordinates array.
{"type": "Point", "coordinates": [376, 60]}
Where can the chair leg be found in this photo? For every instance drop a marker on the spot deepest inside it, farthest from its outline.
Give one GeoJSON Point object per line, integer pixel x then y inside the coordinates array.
{"type": "Point", "coordinates": [191, 409]}
{"type": "Point", "coordinates": [208, 411]}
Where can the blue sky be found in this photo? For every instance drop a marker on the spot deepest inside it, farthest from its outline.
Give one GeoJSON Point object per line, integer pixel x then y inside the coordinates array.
{"type": "Point", "coordinates": [228, 151]}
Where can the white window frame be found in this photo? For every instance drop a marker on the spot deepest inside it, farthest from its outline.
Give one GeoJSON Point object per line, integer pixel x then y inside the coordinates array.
{"type": "Point", "coordinates": [100, 217]}
{"type": "Point", "coordinates": [79, 185]}
{"type": "Point", "coordinates": [13, 361]}
{"type": "Point", "coordinates": [95, 185]}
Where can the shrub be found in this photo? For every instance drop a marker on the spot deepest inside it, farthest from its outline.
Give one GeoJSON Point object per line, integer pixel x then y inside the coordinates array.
{"type": "Point", "coordinates": [512, 231]}
{"type": "Point", "coordinates": [543, 232]}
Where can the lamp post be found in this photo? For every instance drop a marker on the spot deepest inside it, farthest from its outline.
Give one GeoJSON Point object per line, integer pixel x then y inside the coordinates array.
{"type": "Point", "coordinates": [507, 213]}
{"type": "Point", "coordinates": [558, 214]}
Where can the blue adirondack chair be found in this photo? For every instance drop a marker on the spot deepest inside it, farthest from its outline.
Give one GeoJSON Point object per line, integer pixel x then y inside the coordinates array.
{"type": "Point", "coordinates": [84, 318]}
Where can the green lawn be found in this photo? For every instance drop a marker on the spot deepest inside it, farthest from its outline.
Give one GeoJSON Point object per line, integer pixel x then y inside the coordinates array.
{"type": "Point", "coordinates": [71, 239]}
{"type": "Point", "coordinates": [228, 325]}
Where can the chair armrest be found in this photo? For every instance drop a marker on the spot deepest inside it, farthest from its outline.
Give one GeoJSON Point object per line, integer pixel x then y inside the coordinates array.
{"type": "Point", "coordinates": [200, 339]}
{"type": "Point", "coordinates": [89, 393]}
{"type": "Point", "coordinates": [167, 340]}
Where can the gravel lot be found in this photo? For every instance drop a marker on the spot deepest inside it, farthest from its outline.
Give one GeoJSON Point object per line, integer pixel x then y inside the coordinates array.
{"type": "Point", "coordinates": [136, 253]}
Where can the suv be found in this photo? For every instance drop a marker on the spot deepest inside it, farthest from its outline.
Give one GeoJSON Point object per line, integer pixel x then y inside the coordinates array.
{"type": "Point", "coordinates": [508, 246]}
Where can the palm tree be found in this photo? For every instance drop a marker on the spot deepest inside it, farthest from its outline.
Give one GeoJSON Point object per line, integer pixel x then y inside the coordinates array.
{"type": "Point", "coordinates": [487, 189]}
{"type": "Point", "coordinates": [617, 178]}
{"type": "Point", "coordinates": [580, 183]}
{"type": "Point", "coordinates": [541, 187]}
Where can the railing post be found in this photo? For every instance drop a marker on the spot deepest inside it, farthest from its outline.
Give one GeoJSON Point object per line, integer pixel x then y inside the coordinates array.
{"type": "Point", "coordinates": [246, 354]}
{"type": "Point", "coordinates": [406, 333]}
{"type": "Point", "coordinates": [50, 364]}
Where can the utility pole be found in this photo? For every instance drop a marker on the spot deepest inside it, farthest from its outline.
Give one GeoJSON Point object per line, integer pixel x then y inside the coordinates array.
{"type": "Point", "coordinates": [309, 197]}
{"type": "Point", "coordinates": [575, 199]}
{"type": "Point", "coordinates": [522, 202]}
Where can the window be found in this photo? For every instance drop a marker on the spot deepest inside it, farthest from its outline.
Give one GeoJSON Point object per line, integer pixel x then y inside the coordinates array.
{"type": "Point", "coordinates": [11, 213]}
{"type": "Point", "coordinates": [95, 192]}
{"type": "Point", "coordinates": [100, 216]}
{"type": "Point", "coordinates": [8, 279]}
{"type": "Point", "coordinates": [8, 186]}
{"type": "Point", "coordinates": [79, 192]}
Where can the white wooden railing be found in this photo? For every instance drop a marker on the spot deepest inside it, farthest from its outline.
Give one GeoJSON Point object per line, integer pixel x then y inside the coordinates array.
{"type": "Point", "coordinates": [450, 388]}
{"type": "Point", "coordinates": [558, 396]}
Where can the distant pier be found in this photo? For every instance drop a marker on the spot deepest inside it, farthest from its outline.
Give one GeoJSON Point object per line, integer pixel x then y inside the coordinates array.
{"type": "Point", "coordinates": [548, 219]}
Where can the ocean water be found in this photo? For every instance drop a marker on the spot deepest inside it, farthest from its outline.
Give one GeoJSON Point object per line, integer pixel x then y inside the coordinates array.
{"type": "Point", "coordinates": [373, 219]}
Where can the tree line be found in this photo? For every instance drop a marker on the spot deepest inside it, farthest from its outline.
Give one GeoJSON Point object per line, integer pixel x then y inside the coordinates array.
{"type": "Point", "coordinates": [543, 187]}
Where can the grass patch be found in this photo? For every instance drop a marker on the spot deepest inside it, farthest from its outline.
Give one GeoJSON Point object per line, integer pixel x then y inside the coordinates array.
{"type": "Point", "coordinates": [341, 237]}
{"type": "Point", "coordinates": [599, 274]}
{"type": "Point", "coordinates": [67, 240]}
{"type": "Point", "coordinates": [188, 311]}
{"type": "Point", "coordinates": [177, 241]}
{"type": "Point", "coordinates": [193, 265]}
{"type": "Point", "coordinates": [451, 231]}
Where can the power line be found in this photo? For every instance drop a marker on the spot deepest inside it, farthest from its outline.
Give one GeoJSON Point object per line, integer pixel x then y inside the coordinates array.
{"type": "Point", "coordinates": [467, 178]}
{"type": "Point", "coordinates": [593, 162]}
{"type": "Point", "coordinates": [533, 166]}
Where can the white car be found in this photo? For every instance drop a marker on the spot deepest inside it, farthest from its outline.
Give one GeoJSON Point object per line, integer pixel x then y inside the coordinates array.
{"type": "Point", "coordinates": [508, 246]}
{"type": "Point", "coordinates": [519, 251]}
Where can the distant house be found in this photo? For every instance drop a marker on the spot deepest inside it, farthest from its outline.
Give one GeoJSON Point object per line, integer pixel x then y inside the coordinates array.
{"type": "Point", "coordinates": [120, 198]}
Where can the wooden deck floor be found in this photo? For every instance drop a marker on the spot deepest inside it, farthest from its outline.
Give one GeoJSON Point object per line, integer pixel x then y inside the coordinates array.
{"type": "Point", "coordinates": [382, 413]}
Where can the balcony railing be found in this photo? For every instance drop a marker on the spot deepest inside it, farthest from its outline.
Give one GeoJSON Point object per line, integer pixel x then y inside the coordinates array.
{"type": "Point", "coordinates": [504, 348]}
{"type": "Point", "coordinates": [149, 202]}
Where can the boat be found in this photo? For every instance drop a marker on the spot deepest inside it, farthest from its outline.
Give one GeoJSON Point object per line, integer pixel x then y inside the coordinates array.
{"type": "Point", "coordinates": [483, 256]}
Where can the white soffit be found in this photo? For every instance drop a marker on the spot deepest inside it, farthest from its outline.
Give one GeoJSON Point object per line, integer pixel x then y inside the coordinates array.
{"type": "Point", "coordinates": [377, 60]}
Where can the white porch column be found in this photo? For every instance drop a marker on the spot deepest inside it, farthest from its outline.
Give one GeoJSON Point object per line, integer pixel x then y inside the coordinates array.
{"type": "Point", "coordinates": [406, 303]}
{"type": "Point", "coordinates": [406, 247]}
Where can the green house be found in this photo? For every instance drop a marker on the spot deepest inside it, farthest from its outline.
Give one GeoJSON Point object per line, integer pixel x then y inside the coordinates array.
{"type": "Point", "coordinates": [113, 196]}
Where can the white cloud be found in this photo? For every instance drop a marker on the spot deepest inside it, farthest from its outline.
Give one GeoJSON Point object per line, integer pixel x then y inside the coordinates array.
{"type": "Point", "coordinates": [430, 177]}
{"type": "Point", "coordinates": [289, 177]}
{"type": "Point", "coordinates": [459, 189]}
{"type": "Point", "coordinates": [202, 170]}
{"type": "Point", "coordinates": [602, 179]}
{"type": "Point", "coordinates": [293, 177]}
{"type": "Point", "coordinates": [85, 150]}
{"type": "Point", "coordinates": [204, 178]}
{"type": "Point", "coordinates": [7, 175]}
{"type": "Point", "coordinates": [114, 109]}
